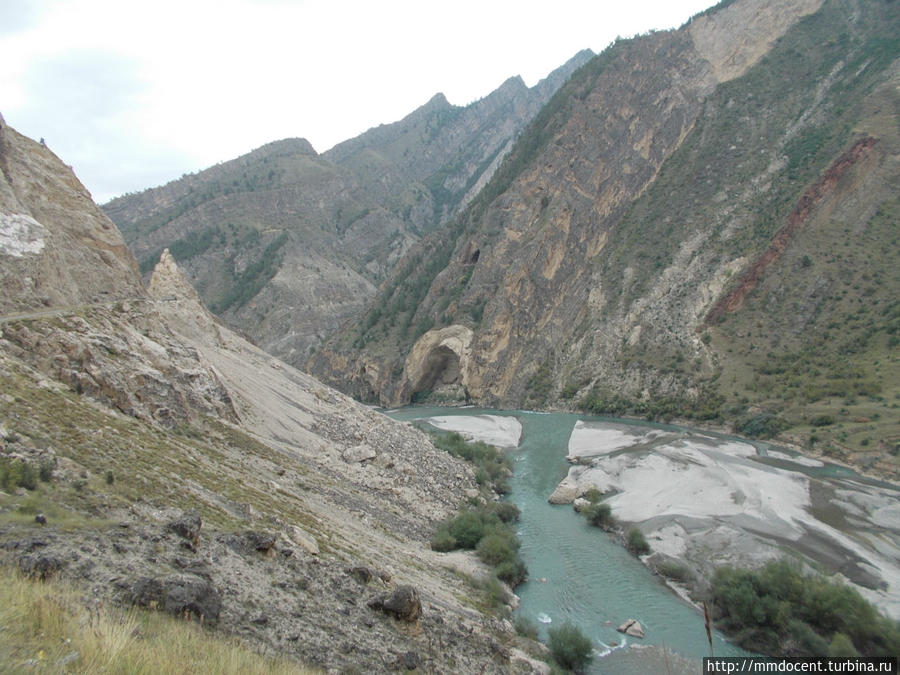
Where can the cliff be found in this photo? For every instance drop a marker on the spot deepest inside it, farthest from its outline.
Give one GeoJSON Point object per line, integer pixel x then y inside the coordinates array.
{"type": "Point", "coordinates": [748, 155]}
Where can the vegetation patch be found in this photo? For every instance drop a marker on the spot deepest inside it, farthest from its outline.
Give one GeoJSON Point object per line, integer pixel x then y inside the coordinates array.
{"type": "Point", "coordinates": [488, 528]}
{"type": "Point", "coordinates": [778, 611]}
{"type": "Point", "coordinates": [569, 647]}
{"type": "Point", "coordinates": [47, 627]}
{"type": "Point", "coordinates": [707, 405]}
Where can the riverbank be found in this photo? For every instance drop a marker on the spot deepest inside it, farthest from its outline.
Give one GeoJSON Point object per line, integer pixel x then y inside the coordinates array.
{"type": "Point", "coordinates": [704, 502]}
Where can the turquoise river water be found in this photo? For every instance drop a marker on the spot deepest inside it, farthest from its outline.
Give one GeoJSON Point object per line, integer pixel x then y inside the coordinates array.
{"type": "Point", "coordinates": [591, 580]}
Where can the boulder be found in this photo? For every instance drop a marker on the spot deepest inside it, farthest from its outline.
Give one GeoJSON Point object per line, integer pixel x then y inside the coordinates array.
{"type": "Point", "coordinates": [403, 604]}
{"type": "Point", "coordinates": [632, 627]}
{"type": "Point", "coordinates": [580, 503]}
{"type": "Point", "coordinates": [40, 566]}
{"type": "Point", "coordinates": [303, 539]}
{"type": "Point", "coordinates": [565, 493]}
{"type": "Point", "coordinates": [179, 594]}
{"type": "Point", "coordinates": [252, 541]}
{"type": "Point", "coordinates": [188, 526]}
{"type": "Point", "coordinates": [362, 573]}
{"type": "Point", "coordinates": [358, 453]}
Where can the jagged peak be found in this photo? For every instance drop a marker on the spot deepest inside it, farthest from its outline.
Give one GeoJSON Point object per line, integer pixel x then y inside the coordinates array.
{"type": "Point", "coordinates": [179, 301]}
{"type": "Point", "coordinates": [437, 101]}
{"type": "Point", "coordinates": [168, 281]}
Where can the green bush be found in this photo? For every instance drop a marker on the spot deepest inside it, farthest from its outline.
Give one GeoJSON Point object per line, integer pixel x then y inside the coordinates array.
{"type": "Point", "coordinates": [494, 549]}
{"type": "Point", "coordinates": [443, 541]}
{"type": "Point", "coordinates": [761, 425]}
{"type": "Point", "coordinates": [593, 495]}
{"type": "Point", "coordinates": [487, 528]}
{"type": "Point", "coordinates": [467, 528]}
{"type": "Point", "coordinates": [776, 610]}
{"type": "Point", "coordinates": [822, 420]}
{"type": "Point", "coordinates": [45, 471]}
{"type": "Point", "coordinates": [599, 515]}
{"type": "Point", "coordinates": [526, 628]}
{"type": "Point", "coordinates": [841, 645]}
{"type": "Point", "coordinates": [636, 542]}
{"type": "Point", "coordinates": [570, 647]}
{"type": "Point", "coordinates": [15, 473]}
{"type": "Point", "coordinates": [513, 572]}
{"type": "Point", "coordinates": [507, 512]}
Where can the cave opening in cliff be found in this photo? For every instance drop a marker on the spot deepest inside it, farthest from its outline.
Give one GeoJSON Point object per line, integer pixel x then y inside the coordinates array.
{"type": "Point", "coordinates": [441, 369]}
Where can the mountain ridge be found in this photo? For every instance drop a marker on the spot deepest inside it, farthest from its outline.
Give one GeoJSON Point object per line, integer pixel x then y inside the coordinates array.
{"type": "Point", "coordinates": [286, 246]}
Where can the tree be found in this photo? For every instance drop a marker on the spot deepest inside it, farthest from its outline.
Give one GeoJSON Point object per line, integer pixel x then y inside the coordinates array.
{"type": "Point", "coordinates": [570, 647]}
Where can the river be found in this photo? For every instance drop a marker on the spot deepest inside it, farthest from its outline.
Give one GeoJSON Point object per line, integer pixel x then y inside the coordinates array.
{"type": "Point", "coordinates": [591, 580]}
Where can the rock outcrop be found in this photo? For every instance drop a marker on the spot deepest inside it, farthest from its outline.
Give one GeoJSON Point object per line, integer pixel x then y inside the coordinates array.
{"type": "Point", "coordinates": [57, 248]}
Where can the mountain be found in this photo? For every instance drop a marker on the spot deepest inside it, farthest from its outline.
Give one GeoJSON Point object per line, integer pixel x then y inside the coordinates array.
{"type": "Point", "coordinates": [50, 256]}
{"type": "Point", "coordinates": [153, 457]}
{"type": "Point", "coordinates": [701, 223]}
{"type": "Point", "coordinates": [286, 245]}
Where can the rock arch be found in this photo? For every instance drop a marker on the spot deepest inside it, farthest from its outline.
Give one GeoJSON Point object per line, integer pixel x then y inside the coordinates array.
{"type": "Point", "coordinates": [438, 363]}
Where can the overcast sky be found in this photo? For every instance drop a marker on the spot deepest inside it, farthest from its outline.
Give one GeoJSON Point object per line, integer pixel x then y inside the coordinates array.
{"type": "Point", "coordinates": [133, 95]}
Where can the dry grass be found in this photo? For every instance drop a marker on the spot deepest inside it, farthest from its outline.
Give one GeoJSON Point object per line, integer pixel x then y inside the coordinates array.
{"type": "Point", "coordinates": [50, 628]}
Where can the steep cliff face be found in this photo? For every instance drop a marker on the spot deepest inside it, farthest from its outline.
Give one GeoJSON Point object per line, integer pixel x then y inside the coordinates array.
{"type": "Point", "coordinates": [664, 169]}
{"type": "Point", "coordinates": [314, 507]}
{"type": "Point", "coordinates": [56, 246]}
{"type": "Point", "coordinates": [286, 245]}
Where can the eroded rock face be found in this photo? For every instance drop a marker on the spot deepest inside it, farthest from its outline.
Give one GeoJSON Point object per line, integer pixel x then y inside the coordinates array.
{"type": "Point", "coordinates": [124, 357]}
{"type": "Point", "coordinates": [439, 362]}
{"type": "Point", "coordinates": [57, 248]}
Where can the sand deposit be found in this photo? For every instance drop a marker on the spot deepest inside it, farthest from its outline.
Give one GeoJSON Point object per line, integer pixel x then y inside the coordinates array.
{"type": "Point", "coordinates": [496, 430]}
{"type": "Point", "coordinates": [708, 502]}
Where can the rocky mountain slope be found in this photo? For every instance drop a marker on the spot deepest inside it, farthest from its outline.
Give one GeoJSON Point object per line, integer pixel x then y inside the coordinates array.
{"type": "Point", "coordinates": [175, 466]}
{"type": "Point", "coordinates": [286, 244]}
{"type": "Point", "coordinates": [701, 223]}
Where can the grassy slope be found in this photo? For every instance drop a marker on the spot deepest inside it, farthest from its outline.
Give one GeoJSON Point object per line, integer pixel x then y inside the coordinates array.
{"type": "Point", "coordinates": [122, 461]}
{"type": "Point", "coordinates": [48, 627]}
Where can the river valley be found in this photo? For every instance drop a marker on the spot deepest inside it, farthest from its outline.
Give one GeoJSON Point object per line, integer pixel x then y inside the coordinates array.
{"type": "Point", "coordinates": [700, 498]}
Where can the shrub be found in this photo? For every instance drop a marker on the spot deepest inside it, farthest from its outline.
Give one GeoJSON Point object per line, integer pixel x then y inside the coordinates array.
{"type": "Point", "coordinates": [507, 512]}
{"type": "Point", "coordinates": [761, 425]}
{"type": "Point", "coordinates": [45, 471]}
{"type": "Point", "coordinates": [513, 572]}
{"type": "Point", "coordinates": [636, 542]}
{"type": "Point", "coordinates": [443, 541]}
{"type": "Point", "coordinates": [593, 495]}
{"type": "Point", "coordinates": [822, 420]}
{"type": "Point", "coordinates": [841, 645]}
{"type": "Point", "coordinates": [599, 515]}
{"type": "Point", "coordinates": [570, 647]}
{"type": "Point", "coordinates": [467, 528]}
{"type": "Point", "coordinates": [16, 473]}
{"type": "Point", "coordinates": [762, 606]}
{"type": "Point", "coordinates": [526, 628]}
{"type": "Point", "coordinates": [494, 549]}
